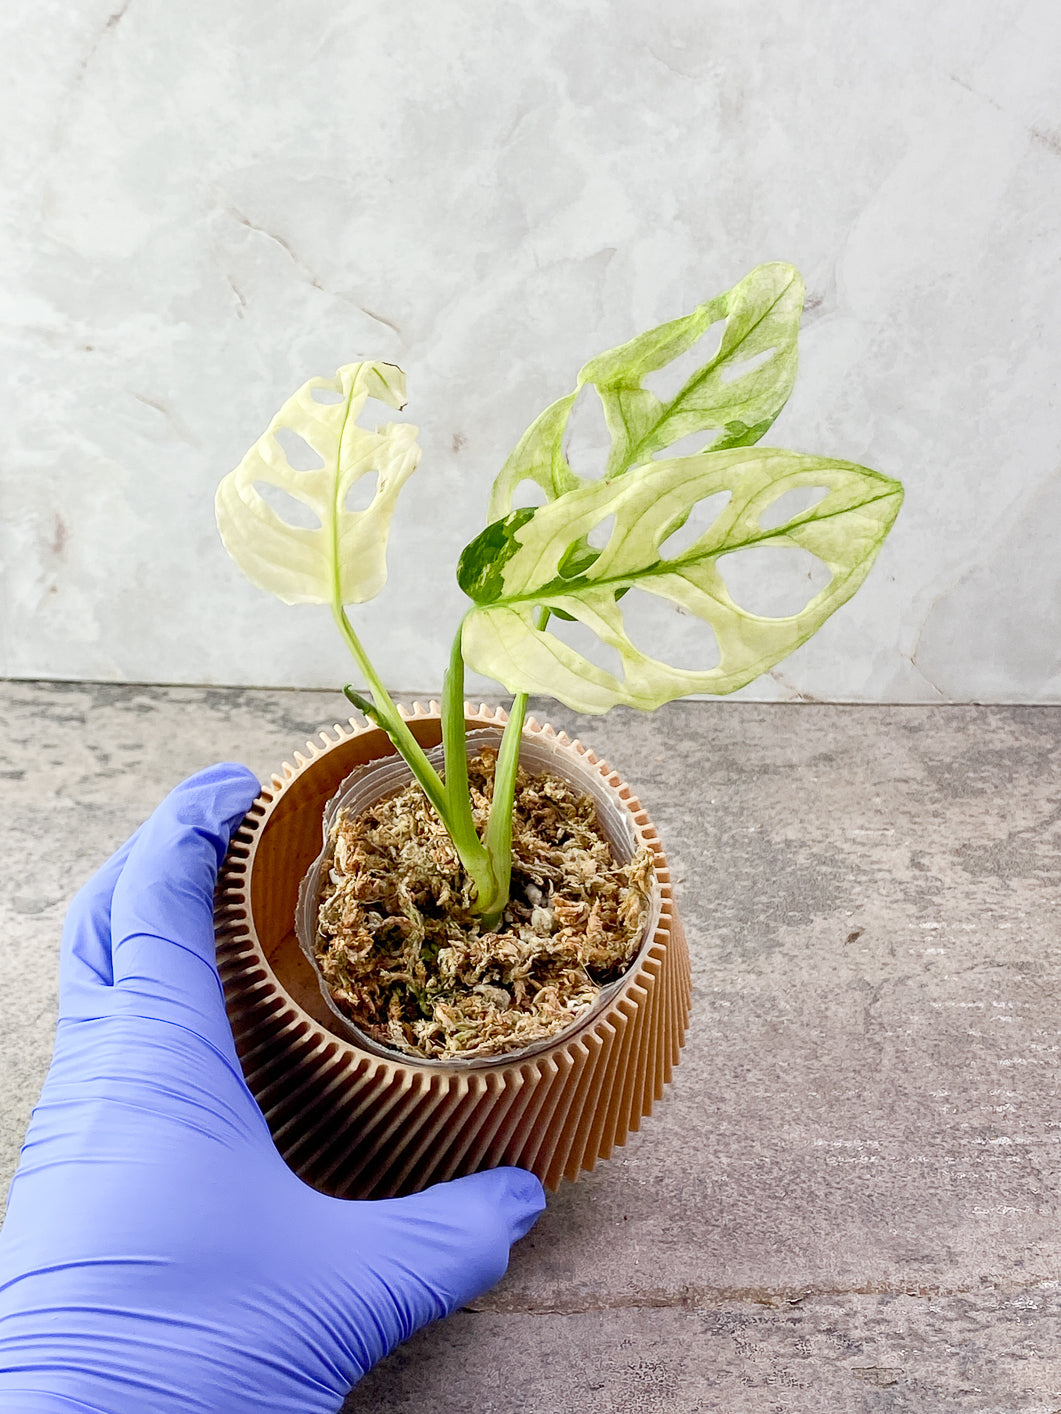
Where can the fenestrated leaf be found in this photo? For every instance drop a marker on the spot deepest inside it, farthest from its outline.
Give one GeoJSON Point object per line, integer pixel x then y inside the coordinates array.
{"type": "Point", "coordinates": [538, 456]}
{"type": "Point", "coordinates": [731, 404]}
{"type": "Point", "coordinates": [343, 559]}
{"type": "Point", "coordinates": [845, 530]}
{"type": "Point", "coordinates": [481, 565]}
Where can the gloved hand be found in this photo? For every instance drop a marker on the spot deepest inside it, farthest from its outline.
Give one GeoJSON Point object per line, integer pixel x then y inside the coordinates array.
{"type": "Point", "coordinates": [158, 1255]}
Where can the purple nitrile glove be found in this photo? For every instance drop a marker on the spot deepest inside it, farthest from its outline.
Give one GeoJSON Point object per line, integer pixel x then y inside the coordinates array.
{"type": "Point", "coordinates": [158, 1255]}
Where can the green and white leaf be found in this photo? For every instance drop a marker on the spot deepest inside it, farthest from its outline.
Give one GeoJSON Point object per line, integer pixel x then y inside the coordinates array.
{"type": "Point", "coordinates": [513, 570]}
{"type": "Point", "coordinates": [733, 399]}
{"type": "Point", "coordinates": [538, 457]}
{"type": "Point", "coordinates": [343, 559]}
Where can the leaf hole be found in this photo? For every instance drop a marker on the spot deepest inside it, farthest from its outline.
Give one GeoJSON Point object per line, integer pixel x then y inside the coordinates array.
{"type": "Point", "coordinates": [300, 455]}
{"type": "Point", "coordinates": [291, 510]}
{"type": "Point", "coordinates": [689, 445]}
{"type": "Point", "coordinates": [791, 504]}
{"type": "Point", "coordinates": [362, 492]}
{"type": "Point", "coordinates": [376, 414]}
{"type": "Point", "coordinates": [602, 532]}
{"type": "Point", "coordinates": [585, 642]}
{"type": "Point", "coordinates": [577, 559]}
{"type": "Point", "coordinates": [773, 581]}
{"type": "Point", "coordinates": [730, 372]}
{"type": "Point", "coordinates": [325, 395]}
{"type": "Point", "coordinates": [697, 523]}
{"type": "Point", "coordinates": [587, 440]}
{"type": "Point", "coordinates": [670, 634]}
{"type": "Point", "coordinates": [667, 382]}
{"type": "Point", "coordinates": [528, 495]}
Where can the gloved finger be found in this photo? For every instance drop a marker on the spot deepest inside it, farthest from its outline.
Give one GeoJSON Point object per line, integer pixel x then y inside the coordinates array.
{"type": "Point", "coordinates": [85, 967]}
{"type": "Point", "coordinates": [439, 1249]}
{"type": "Point", "coordinates": [162, 929]}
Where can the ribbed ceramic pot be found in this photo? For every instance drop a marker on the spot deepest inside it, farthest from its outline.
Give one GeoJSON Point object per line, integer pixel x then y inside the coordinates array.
{"type": "Point", "coordinates": [364, 1125]}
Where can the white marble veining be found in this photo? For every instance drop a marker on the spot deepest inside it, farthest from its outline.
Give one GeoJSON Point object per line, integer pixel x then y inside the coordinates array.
{"type": "Point", "coordinates": [203, 205]}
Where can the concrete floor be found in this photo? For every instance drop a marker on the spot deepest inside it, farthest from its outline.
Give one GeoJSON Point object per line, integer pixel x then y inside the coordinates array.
{"type": "Point", "coordinates": [849, 1199]}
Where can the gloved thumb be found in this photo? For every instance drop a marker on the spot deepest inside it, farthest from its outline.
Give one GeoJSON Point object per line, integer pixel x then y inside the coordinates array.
{"type": "Point", "coordinates": [161, 919]}
{"type": "Point", "coordinates": [437, 1250]}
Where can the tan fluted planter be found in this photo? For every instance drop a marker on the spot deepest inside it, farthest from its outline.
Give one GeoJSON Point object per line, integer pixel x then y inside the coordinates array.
{"type": "Point", "coordinates": [359, 1125]}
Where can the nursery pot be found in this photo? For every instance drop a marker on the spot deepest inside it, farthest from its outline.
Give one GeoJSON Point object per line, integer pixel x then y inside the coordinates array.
{"type": "Point", "coordinates": [359, 1122]}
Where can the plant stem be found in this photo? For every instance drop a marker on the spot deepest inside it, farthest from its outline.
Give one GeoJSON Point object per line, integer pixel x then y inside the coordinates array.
{"type": "Point", "coordinates": [453, 730]}
{"type": "Point", "coordinates": [390, 719]}
{"type": "Point", "coordinates": [454, 812]}
{"type": "Point", "coordinates": [492, 891]}
{"type": "Point", "coordinates": [499, 825]}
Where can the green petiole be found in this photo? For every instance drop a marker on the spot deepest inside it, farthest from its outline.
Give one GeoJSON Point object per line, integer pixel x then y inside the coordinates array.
{"type": "Point", "coordinates": [451, 800]}
{"type": "Point", "coordinates": [488, 862]}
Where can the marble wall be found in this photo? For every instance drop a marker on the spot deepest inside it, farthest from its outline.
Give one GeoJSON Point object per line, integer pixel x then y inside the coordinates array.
{"type": "Point", "coordinates": [205, 203]}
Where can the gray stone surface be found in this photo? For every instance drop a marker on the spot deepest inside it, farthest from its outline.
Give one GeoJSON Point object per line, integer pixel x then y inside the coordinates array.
{"type": "Point", "coordinates": [831, 1355]}
{"type": "Point", "coordinates": [849, 1198]}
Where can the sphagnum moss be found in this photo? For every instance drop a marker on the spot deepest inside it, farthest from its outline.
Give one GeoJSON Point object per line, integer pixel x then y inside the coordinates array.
{"type": "Point", "coordinates": [405, 956]}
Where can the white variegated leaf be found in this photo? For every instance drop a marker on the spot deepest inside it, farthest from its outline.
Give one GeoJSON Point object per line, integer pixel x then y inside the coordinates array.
{"type": "Point", "coordinates": [342, 559]}
{"type": "Point", "coordinates": [731, 400]}
{"type": "Point", "coordinates": [523, 564]}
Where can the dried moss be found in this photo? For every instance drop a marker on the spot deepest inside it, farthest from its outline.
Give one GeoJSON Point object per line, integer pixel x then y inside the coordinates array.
{"type": "Point", "coordinates": [401, 949]}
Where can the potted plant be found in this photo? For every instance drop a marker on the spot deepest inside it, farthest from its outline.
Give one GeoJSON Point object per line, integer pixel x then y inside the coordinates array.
{"type": "Point", "coordinates": [486, 964]}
